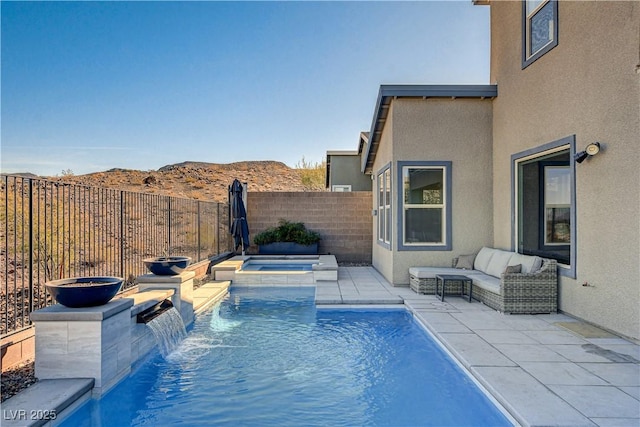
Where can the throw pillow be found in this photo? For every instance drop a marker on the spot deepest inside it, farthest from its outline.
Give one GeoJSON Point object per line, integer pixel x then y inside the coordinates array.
{"type": "Point", "coordinates": [513, 269]}
{"type": "Point", "coordinates": [465, 262]}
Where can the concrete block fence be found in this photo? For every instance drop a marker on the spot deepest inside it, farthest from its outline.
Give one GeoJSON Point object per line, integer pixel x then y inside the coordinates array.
{"type": "Point", "coordinates": [343, 219]}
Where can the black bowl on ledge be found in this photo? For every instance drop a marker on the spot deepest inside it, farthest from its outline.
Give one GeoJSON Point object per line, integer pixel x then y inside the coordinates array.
{"type": "Point", "coordinates": [90, 291]}
{"type": "Point", "coordinates": [167, 265]}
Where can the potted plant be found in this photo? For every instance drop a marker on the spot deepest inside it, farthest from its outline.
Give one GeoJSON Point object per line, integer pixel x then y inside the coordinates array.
{"type": "Point", "coordinates": [288, 238]}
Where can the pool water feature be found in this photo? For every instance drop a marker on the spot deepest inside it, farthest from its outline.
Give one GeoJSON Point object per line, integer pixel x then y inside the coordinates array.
{"type": "Point", "coordinates": [267, 356]}
{"type": "Point", "coordinates": [169, 331]}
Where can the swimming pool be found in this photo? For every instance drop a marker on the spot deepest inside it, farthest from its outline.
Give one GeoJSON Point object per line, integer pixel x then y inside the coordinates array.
{"type": "Point", "coordinates": [267, 356]}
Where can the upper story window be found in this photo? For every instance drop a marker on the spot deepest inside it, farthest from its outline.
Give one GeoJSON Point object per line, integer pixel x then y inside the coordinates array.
{"type": "Point", "coordinates": [540, 29]}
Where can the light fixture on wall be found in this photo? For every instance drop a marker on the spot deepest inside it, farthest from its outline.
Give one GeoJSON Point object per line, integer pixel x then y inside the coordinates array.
{"type": "Point", "coordinates": [591, 150]}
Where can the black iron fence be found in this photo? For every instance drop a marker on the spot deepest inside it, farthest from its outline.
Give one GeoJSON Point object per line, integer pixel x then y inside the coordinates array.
{"type": "Point", "coordinates": [50, 230]}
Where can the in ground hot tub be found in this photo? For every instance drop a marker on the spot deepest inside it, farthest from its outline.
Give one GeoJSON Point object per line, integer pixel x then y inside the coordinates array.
{"type": "Point", "coordinates": [277, 270]}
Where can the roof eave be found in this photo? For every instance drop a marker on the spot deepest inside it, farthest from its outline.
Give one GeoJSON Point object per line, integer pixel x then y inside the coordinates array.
{"type": "Point", "coordinates": [388, 92]}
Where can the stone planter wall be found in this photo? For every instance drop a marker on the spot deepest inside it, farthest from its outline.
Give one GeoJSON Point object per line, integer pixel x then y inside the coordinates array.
{"type": "Point", "coordinates": [288, 248]}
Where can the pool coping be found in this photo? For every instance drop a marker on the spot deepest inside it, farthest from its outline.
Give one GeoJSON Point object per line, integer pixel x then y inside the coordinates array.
{"type": "Point", "coordinates": [45, 402]}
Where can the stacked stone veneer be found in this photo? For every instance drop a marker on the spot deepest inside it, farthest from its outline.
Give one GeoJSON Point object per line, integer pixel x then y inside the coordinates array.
{"type": "Point", "coordinates": [343, 219]}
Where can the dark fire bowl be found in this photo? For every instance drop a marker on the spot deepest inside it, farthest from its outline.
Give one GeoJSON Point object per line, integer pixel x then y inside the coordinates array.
{"type": "Point", "coordinates": [76, 292]}
{"type": "Point", "coordinates": [167, 265]}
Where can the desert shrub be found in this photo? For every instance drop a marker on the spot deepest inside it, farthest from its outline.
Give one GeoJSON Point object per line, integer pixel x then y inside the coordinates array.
{"type": "Point", "coordinates": [287, 231]}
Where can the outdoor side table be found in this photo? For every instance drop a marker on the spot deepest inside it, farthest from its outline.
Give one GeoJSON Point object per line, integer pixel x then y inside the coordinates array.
{"type": "Point", "coordinates": [444, 278]}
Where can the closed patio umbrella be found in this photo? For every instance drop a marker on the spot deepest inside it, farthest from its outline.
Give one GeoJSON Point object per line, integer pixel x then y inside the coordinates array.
{"type": "Point", "coordinates": [238, 219]}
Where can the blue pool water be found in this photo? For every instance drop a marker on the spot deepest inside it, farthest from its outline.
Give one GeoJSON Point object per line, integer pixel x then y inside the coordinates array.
{"type": "Point", "coordinates": [267, 357]}
{"type": "Point", "coordinates": [266, 266]}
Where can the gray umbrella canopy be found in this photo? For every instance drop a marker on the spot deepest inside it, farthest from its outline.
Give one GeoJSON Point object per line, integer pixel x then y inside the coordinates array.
{"type": "Point", "coordinates": [238, 218]}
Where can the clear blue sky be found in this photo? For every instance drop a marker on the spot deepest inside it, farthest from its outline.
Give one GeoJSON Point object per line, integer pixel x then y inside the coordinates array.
{"type": "Point", "coordinates": [96, 85]}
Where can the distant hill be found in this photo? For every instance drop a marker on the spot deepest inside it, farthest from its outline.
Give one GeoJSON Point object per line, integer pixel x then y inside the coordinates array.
{"type": "Point", "coordinates": [197, 180]}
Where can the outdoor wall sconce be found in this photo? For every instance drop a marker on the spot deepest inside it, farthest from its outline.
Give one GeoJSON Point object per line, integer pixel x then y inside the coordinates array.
{"type": "Point", "coordinates": [591, 150]}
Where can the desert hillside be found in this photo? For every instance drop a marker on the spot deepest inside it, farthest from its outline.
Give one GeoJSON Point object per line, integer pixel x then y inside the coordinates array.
{"type": "Point", "coordinates": [198, 180]}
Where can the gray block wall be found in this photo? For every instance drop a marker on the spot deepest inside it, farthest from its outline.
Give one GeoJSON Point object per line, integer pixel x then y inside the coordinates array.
{"type": "Point", "coordinates": [343, 219]}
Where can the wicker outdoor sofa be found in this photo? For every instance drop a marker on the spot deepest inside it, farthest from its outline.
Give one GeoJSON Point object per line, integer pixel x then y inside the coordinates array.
{"type": "Point", "coordinates": [505, 281]}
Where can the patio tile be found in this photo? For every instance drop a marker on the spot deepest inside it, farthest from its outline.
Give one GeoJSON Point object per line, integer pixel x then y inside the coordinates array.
{"type": "Point", "coordinates": [599, 401]}
{"type": "Point", "coordinates": [464, 304]}
{"type": "Point", "coordinates": [504, 337]}
{"type": "Point", "coordinates": [561, 373]}
{"type": "Point", "coordinates": [473, 350]}
{"type": "Point", "coordinates": [555, 317]}
{"type": "Point", "coordinates": [555, 337]}
{"type": "Point", "coordinates": [617, 422]}
{"type": "Point", "coordinates": [533, 403]}
{"type": "Point", "coordinates": [625, 348]}
{"type": "Point", "coordinates": [632, 391]}
{"type": "Point", "coordinates": [529, 323]}
{"type": "Point", "coordinates": [620, 374]}
{"type": "Point", "coordinates": [449, 328]}
{"type": "Point", "coordinates": [577, 353]}
{"type": "Point", "coordinates": [529, 353]}
{"type": "Point", "coordinates": [483, 320]}
{"type": "Point", "coordinates": [443, 323]}
{"type": "Point", "coordinates": [432, 305]}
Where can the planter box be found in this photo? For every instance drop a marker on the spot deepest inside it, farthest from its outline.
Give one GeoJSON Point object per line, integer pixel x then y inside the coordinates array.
{"type": "Point", "coordinates": [288, 248]}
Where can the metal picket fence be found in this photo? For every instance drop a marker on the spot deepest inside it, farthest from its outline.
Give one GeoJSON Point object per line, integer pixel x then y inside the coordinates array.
{"type": "Point", "coordinates": [50, 230]}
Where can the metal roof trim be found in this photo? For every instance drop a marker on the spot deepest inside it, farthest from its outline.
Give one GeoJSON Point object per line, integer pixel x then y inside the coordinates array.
{"type": "Point", "coordinates": [388, 92]}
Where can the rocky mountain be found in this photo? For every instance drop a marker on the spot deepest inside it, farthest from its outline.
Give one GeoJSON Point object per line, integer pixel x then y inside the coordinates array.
{"type": "Point", "coordinates": [198, 180]}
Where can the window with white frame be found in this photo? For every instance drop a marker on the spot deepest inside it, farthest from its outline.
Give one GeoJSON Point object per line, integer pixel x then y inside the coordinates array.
{"type": "Point", "coordinates": [384, 206]}
{"type": "Point", "coordinates": [540, 29]}
{"type": "Point", "coordinates": [425, 203]}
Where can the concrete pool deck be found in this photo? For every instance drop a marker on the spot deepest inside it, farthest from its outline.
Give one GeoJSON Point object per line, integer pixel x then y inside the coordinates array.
{"type": "Point", "coordinates": [546, 370]}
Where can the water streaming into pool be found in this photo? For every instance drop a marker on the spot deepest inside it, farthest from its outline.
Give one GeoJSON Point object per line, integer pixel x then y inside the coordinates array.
{"type": "Point", "coordinates": [169, 331]}
{"type": "Point", "coordinates": [267, 357]}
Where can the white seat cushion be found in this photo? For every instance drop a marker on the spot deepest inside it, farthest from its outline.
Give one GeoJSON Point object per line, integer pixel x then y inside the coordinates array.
{"type": "Point", "coordinates": [490, 283]}
{"type": "Point", "coordinates": [430, 272]}
{"type": "Point", "coordinates": [482, 259]}
{"type": "Point", "coordinates": [530, 264]}
{"type": "Point", "coordinates": [498, 263]}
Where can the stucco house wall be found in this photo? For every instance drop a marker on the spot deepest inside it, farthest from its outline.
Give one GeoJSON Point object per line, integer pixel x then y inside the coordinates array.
{"type": "Point", "coordinates": [345, 170]}
{"type": "Point", "coordinates": [429, 130]}
{"type": "Point", "coordinates": [382, 259]}
{"type": "Point", "coordinates": [587, 86]}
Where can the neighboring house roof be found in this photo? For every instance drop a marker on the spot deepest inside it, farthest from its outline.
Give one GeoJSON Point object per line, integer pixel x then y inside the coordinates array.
{"type": "Point", "coordinates": [389, 92]}
{"type": "Point", "coordinates": [363, 141]}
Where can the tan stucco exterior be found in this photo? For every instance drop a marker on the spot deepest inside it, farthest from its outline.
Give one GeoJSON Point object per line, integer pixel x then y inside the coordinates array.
{"type": "Point", "coordinates": [587, 86]}
{"type": "Point", "coordinates": [344, 169]}
{"type": "Point", "coordinates": [430, 130]}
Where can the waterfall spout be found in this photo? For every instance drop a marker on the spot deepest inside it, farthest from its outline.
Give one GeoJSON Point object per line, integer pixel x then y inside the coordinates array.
{"type": "Point", "coordinates": [169, 330]}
